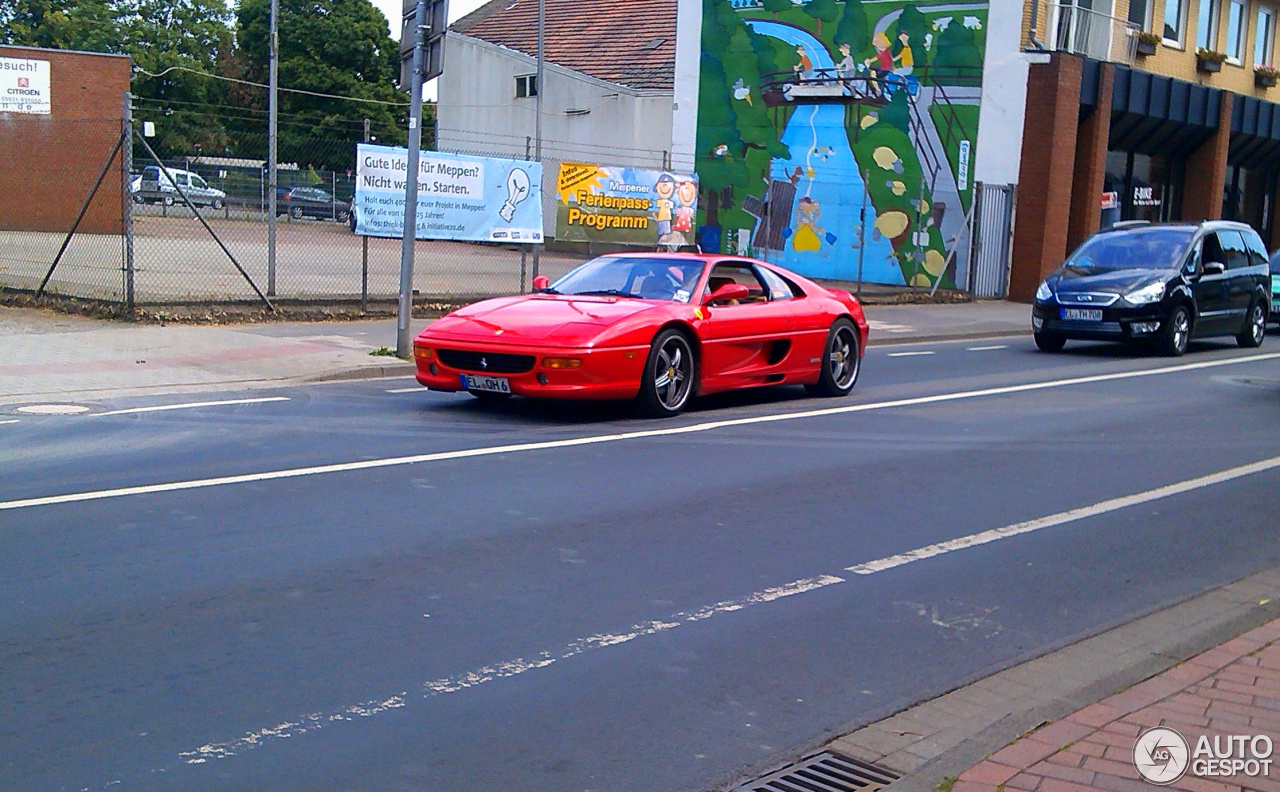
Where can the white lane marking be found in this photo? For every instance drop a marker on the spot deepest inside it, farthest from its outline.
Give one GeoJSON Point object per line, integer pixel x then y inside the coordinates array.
{"type": "Point", "coordinates": [502, 670]}
{"type": "Point", "coordinates": [12, 420]}
{"type": "Point", "coordinates": [521, 665]}
{"type": "Point", "coordinates": [1071, 515]}
{"type": "Point", "coordinates": [191, 405]}
{"type": "Point", "coordinates": [418, 389]}
{"type": "Point", "coordinates": [910, 354]}
{"type": "Point", "coordinates": [988, 347]}
{"type": "Point", "coordinates": [471, 453]}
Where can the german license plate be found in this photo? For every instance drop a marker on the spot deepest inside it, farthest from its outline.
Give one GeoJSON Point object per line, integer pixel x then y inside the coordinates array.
{"type": "Point", "coordinates": [1082, 314]}
{"type": "Point", "coordinates": [490, 384]}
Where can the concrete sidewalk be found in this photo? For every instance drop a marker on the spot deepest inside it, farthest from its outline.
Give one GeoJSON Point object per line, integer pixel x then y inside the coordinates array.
{"type": "Point", "coordinates": [47, 356]}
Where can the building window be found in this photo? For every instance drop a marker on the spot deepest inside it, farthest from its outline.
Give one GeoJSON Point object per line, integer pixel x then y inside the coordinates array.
{"type": "Point", "coordinates": [1174, 13]}
{"type": "Point", "coordinates": [1207, 25]}
{"type": "Point", "coordinates": [1139, 13]}
{"type": "Point", "coordinates": [1235, 31]}
{"type": "Point", "coordinates": [1264, 42]}
{"type": "Point", "coordinates": [526, 86]}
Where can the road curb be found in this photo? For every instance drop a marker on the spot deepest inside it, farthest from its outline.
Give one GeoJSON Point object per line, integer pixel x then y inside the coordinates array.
{"type": "Point", "coordinates": [399, 369]}
{"type": "Point", "coordinates": [936, 740]}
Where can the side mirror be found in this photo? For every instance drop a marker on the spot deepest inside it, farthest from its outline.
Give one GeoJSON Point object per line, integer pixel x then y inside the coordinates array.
{"type": "Point", "coordinates": [729, 291]}
{"type": "Point", "coordinates": [540, 282]}
{"type": "Point", "coordinates": [1214, 268]}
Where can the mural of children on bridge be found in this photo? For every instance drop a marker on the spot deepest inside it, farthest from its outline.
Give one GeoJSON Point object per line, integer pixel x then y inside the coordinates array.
{"type": "Point", "coordinates": [835, 137]}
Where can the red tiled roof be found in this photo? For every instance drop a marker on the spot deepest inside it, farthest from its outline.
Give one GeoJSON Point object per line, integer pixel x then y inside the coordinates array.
{"type": "Point", "coordinates": [627, 42]}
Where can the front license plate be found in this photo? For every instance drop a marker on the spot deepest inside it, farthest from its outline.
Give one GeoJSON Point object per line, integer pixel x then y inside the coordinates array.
{"type": "Point", "coordinates": [490, 384]}
{"type": "Point", "coordinates": [1082, 314]}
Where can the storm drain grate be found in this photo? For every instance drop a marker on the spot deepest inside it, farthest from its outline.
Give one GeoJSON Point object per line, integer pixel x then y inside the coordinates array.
{"type": "Point", "coordinates": [823, 772]}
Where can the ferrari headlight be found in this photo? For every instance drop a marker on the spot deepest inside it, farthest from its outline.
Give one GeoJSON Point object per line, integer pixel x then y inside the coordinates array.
{"type": "Point", "coordinates": [1152, 292]}
{"type": "Point", "coordinates": [1044, 293]}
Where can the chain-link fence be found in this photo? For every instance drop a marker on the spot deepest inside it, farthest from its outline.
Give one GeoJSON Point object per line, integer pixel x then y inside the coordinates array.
{"type": "Point", "coordinates": [118, 223]}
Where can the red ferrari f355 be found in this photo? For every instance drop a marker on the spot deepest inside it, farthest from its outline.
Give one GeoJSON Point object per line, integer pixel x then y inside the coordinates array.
{"type": "Point", "coordinates": [660, 328]}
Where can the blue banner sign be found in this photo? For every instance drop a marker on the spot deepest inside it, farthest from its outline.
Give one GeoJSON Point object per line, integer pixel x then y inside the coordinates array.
{"type": "Point", "coordinates": [460, 198]}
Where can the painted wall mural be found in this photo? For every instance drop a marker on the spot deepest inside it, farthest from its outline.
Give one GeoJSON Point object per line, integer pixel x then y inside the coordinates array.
{"type": "Point", "coordinates": [837, 138]}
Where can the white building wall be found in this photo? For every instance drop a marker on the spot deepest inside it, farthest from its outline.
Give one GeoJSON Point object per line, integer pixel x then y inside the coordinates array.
{"type": "Point", "coordinates": [477, 113]}
{"type": "Point", "coordinates": [1004, 96]}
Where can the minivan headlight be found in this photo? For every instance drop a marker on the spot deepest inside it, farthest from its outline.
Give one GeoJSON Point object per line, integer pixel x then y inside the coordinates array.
{"type": "Point", "coordinates": [1044, 292]}
{"type": "Point", "coordinates": [1152, 292]}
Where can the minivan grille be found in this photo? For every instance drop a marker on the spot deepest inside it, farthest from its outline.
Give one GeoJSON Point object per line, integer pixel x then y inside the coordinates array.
{"type": "Point", "coordinates": [487, 362]}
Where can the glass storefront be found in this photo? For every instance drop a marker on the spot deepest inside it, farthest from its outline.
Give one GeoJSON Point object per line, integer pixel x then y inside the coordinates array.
{"type": "Point", "coordinates": [1247, 196]}
{"type": "Point", "coordinates": [1141, 187]}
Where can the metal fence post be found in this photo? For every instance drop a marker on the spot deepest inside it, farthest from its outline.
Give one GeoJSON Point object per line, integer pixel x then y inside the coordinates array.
{"type": "Point", "coordinates": [364, 245]}
{"type": "Point", "coordinates": [126, 162]}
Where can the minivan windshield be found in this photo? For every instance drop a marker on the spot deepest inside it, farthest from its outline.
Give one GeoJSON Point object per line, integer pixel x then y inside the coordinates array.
{"type": "Point", "coordinates": [1140, 248]}
{"type": "Point", "coordinates": [634, 276]}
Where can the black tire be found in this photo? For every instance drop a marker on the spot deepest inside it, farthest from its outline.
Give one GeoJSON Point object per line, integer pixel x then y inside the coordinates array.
{"type": "Point", "coordinates": [1175, 333]}
{"type": "Point", "coordinates": [670, 375]}
{"type": "Point", "coordinates": [138, 199]}
{"type": "Point", "coordinates": [295, 212]}
{"type": "Point", "coordinates": [1255, 326]}
{"type": "Point", "coordinates": [167, 200]}
{"type": "Point", "coordinates": [841, 361]}
{"type": "Point", "coordinates": [1049, 342]}
{"type": "Point", "coordinates": [342, 217]}
{"type": "Point", "coordinates": [217, 203]}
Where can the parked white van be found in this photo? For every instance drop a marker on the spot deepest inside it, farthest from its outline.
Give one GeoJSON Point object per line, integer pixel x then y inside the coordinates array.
{"type": "Point", "coordinates": [156, 187]}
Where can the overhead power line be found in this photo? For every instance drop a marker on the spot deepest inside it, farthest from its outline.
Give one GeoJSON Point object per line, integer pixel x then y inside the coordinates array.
{"type": "Point", "coordinates": [264, 85]}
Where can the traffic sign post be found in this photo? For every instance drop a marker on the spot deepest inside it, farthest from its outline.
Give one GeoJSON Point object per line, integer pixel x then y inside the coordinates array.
{"type": "Point", "coordinates": [421, 59]}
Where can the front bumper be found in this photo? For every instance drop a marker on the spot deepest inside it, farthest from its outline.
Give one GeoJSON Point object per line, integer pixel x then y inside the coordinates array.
{"type": "Point", "coordinates": [611, 373]}
{"type": "Point", "coordinates": [1120, 322]}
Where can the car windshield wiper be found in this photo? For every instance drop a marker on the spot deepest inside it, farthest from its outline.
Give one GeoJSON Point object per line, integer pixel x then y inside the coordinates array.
{"type": "Point", "coordinates": [603, 293]}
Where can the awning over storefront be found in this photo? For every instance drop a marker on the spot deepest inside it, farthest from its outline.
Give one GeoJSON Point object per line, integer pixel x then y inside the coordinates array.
{"type": "Point", "coordinates": [1255, 134]}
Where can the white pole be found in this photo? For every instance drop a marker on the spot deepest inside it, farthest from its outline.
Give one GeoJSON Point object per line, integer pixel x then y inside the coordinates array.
{"type": "Point", "coordinates": [272, 111]}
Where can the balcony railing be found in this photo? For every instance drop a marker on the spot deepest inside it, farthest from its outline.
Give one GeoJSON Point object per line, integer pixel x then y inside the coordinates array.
{"type": "Point", "coordinates": [1082, 31]}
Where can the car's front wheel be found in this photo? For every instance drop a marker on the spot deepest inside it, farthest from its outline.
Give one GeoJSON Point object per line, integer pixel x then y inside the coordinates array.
{"type": "Point", "coordinates": [1176, 332]}
{"type": "Point", "coordinates": [1049, 342]}
{"type": "Point", "coordinates": [669, 375]}
{"type": "Point", "coordinates": [1255, 327]}
{"type": "Point", "coordinates": [295, 212]}
{"type": "Point", "coordinates": [217, 203]}
{"type": "Point", "coordinates": [841, 361]}
{"type": "Point", "coordinates": [168, 200]}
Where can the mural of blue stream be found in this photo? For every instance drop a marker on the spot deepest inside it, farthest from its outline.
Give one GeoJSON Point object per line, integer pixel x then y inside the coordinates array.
{"type": "Point", "coordinates": [819, 145]}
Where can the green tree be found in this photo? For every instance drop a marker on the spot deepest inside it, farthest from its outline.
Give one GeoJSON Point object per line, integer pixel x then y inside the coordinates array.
{"type": "Point", "coordinates": [340, 47]}
{"type": "Point", "coordinates": [957, 55]}
{"type": "Point", "coordinates": [822, 11]}
{"type": "Point", "coordinates": [853, 27]}
{"type": "Point", "coordinates": [89, 25]}
{"type": "Point", "coordinates": [776, 6]}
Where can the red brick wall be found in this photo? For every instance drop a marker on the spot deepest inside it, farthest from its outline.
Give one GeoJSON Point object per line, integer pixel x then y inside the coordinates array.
{"type": "Point", "coordinates": [1091, 164]}
{"type": "Point", "coordinates": [1045, 177]}
{"type": "Point", "coordinates": [51, 161]}
{"type": "Point", "coordinates": [1207, 170]}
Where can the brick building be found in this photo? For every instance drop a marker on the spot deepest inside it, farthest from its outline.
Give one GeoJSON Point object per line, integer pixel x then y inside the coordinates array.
{"type": "Point", "coordinates": [1153, 110]}
{"type": "Point", "coordinates": [53, 154]}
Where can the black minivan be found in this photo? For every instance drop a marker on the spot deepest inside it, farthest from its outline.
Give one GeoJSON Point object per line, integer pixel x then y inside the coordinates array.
{"type": "Point", "coordinates": [1161, 284]}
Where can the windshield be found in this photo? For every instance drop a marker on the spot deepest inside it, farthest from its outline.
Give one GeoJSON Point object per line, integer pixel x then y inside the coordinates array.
{"type": "Point", "coordinates": [1146, 248]}
{"type": "Point", "coordinates": [633, 276]}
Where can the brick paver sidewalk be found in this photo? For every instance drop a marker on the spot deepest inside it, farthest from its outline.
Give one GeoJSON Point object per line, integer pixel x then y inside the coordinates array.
{"type": "Point", "coordinates": [1231, 690]}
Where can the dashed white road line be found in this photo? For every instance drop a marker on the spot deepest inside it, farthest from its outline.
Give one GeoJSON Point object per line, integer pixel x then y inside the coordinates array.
{"type": "Point", "coordinates": [190, 406]}
{"type": "Point", "coordinates": [910, 354]}
{"type": "Point", "coordinates": [707, 426]}
{"type": "Point", "coordinates": [415, 389]}
{"type": "Point", "coordinates": [522, 665]}
{"type": "Point", "coordinates": [987, 348]}
{"type": "Point", "coordinates": [12, 420]}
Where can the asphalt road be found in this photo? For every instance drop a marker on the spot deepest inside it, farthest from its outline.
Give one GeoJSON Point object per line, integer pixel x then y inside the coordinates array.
{"type": "Point", "coordinates": [408, 591]}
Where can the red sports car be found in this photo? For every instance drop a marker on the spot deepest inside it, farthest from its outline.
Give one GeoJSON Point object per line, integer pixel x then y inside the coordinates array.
{"type": "Point", "coordinates": [655, 327]}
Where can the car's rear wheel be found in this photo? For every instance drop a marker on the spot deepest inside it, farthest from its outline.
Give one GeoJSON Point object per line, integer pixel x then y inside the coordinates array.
{"type": "Point", "coordinates": [217, 203]}
{"type": "Point", "coordinates": [669, 375]}
{"type": "Point", "coordinates": [1176, 332]}
{"type": "Point", "coordinates": [295, 212]}
{"type": "Point", "coordinates": [1049, 342]}
{"type": "Point", "coordinates": [168, 200]}
{"type": "Point", "coordinates": [1255, 327]}
{"type": "Point", "coordinates": [342, 217]}
{"type": "Point", "coordinates": [841, 361]}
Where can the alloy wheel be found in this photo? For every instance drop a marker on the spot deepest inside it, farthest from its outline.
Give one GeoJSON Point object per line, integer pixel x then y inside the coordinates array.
{"type": "Point", "coordinates": [842, 357]}
{"type": "Point", "coordinates": [673, 370]}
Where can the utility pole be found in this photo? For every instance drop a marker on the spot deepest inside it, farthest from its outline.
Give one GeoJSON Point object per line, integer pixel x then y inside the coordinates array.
{"type": "Point", "coordinates": [404, 348]}
{"type": "Point", "coordinates": [272, 112]}
{"type": "Point", "coordinates": [537, 111]}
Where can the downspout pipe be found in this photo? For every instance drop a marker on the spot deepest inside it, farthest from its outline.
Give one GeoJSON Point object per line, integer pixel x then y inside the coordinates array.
{"type": "Point", "coordinates": [1035, 19]}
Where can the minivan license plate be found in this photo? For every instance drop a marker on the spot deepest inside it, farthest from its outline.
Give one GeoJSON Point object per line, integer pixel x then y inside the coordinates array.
{"type": "Point", "coordinates": [490, 384]}
{"type": "Point", "coordinates": [1082, 314]}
